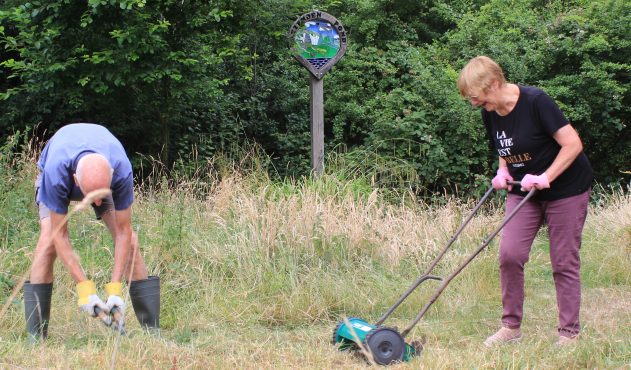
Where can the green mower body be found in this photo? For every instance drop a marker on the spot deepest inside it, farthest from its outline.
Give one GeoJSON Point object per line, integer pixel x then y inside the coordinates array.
{"type": "Point", "coordinates": [385, 344]}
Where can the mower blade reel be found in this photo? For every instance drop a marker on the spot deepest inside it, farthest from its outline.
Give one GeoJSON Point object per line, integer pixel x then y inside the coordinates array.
{"type": "Point", "coordinates": [350, 333]}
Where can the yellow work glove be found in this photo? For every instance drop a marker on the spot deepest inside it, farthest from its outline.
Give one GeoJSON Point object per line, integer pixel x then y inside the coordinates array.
{"type": "Point", "coordinates": [114, 292]}
{"type": "Point", "coordinates": [114, 288]}
{"type": "Point", "coordinates": [88, 300]}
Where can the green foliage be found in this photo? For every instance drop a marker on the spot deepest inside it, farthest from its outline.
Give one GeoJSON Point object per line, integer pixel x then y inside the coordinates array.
{"type": "Point", "coordinates": [402, 108]}
{"type": "Point", "coordinates": [380, 22]}
{"type": "Point", "coordinates": [140, 70]}
{"type": "Point", "coordinates": [578, 52]}
{"type": "Point", "coordinates": [178, 75]}
{"type": "Point", "coordinates": [594, 88]}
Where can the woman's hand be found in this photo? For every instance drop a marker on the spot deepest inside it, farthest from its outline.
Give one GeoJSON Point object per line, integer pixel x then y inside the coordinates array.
{"type": "Point", "coordinates": [539, 182]}
{"type": "Point", "coordinates": [500, 181]}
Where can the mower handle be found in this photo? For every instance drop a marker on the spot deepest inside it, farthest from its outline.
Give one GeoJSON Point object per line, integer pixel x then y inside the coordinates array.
{"type": "Point", "coordinates": [413, 287]}
{"type": "Point", "coordinates": [467, 261]}
{"type": "Point", "coordinates": [426, 275]}
{"type": "Point", "coordinates": [427, 272]}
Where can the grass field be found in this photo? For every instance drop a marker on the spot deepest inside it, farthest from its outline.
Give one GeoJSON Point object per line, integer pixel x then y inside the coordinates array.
{"type": "Point", "coordinates": [256, 273]}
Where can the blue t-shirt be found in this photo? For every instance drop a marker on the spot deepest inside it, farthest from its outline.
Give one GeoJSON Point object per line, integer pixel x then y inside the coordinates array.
{"type": "Point", "coordinates": [61, 155]}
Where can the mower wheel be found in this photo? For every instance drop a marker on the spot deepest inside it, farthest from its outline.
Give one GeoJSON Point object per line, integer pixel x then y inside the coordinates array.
{"type": "Point", "coordinates": [386, 345]}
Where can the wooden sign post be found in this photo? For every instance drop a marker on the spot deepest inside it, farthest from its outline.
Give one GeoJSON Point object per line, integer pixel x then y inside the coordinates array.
{"type": "Point", "coordinates": [317, 41]}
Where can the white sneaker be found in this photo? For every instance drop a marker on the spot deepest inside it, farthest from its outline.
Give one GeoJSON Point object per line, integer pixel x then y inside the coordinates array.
{"type": "Point", "coordinates": [503, 336]}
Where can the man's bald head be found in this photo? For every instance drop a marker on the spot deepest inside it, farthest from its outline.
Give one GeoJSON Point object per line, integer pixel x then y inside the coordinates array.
{"type": "Point", "coordinates": [93, 172]}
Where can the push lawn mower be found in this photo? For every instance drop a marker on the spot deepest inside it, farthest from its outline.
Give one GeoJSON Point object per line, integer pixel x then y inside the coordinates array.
{"type": "Point", "coordinates": [386, 345]}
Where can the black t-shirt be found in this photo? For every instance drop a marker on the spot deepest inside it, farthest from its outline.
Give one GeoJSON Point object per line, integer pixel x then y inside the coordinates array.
{"type": "Point", "coordinates": [524, 139]}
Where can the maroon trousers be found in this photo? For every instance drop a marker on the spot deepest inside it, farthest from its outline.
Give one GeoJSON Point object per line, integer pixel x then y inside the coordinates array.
{"type": "Point", "coordinates": [565, 219]}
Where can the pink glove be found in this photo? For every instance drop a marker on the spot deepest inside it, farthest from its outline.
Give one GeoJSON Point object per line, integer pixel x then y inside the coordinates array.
{"type": "Point", "coordinates": [500, 181]}
{"type": "Point", "coordinates": [539, 182]}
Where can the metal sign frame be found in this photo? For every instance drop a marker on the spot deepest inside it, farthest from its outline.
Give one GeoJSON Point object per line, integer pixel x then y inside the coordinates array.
{"type": "Point", "coordinates": [317, 15]}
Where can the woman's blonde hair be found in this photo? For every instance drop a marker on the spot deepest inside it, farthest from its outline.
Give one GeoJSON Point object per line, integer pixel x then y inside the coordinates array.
{"type": "Point", "coordinates": [478, 75]}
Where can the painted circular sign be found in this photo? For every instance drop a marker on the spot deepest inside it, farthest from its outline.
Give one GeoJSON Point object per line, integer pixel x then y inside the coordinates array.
{"type": "Point", "coordinates": [317, 41]}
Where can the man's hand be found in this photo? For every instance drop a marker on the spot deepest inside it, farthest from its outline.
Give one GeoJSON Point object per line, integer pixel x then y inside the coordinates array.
{"type": "Point", "coordinates": [538, 182]}
{"type": "Point", "coordinates": [88, 300]}
{"type": "Point", "coordinates": [500, 181]}
{"type": "Point", "coordinates": [93, 302]}
{"type": "Point", "coordinates": [114, 291]}
{"type": "Point", "coordinates": [115, 303]}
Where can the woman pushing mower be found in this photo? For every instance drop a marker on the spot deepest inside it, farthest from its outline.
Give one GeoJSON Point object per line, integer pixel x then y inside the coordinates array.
{"type": "Point", "coordinates": [548, 177]}
{"type": "Point", "coordinates": [539, 147]}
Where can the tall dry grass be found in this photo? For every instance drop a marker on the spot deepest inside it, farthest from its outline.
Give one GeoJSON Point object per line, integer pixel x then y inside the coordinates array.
{"type": "Point", "coordinates": [256, 273]}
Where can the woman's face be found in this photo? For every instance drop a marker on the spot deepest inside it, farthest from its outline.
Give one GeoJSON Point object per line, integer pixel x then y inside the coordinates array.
{"type": "Point", "coordinates": [486, 98]}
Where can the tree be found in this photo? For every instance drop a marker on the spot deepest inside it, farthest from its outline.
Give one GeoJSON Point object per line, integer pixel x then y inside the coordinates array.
{"type": "Point", "coordinates": [578, 52]}
{"type": "Point", "coordinates": [213, 75]}
{"type": "Point", "coordinates": [140, 70]}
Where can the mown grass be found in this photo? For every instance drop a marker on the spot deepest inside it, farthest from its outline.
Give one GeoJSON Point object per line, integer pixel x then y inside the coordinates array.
{"type": "Point", "coordinates": [256, 273]}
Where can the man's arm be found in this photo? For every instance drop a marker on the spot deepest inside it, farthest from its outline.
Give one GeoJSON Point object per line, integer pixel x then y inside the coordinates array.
{"type": "Point", "coordinates": [86, 290]}
{"type": "Point", "coordinates": [122, 243]}
{"type": "Point", "coordinates": [63, 248]}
